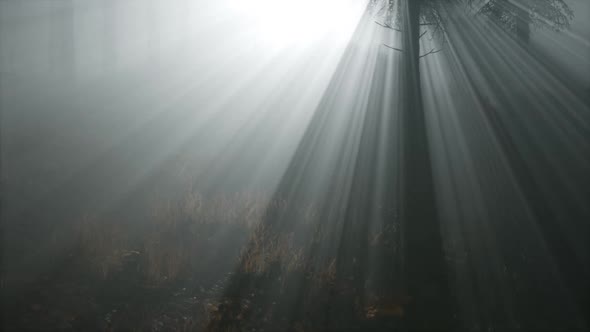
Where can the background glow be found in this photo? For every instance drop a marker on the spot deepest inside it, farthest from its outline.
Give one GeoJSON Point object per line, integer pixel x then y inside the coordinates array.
{"type": "Point", "coordinates": [285, 23]}
{"type": "Point", "coordinates": [170, 130]}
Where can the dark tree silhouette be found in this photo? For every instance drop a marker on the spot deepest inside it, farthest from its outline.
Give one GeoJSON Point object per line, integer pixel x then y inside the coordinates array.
{"type": "Point", "coordinates": [425, 276]}
{"type": "Point", "coordinates": [425, 269]}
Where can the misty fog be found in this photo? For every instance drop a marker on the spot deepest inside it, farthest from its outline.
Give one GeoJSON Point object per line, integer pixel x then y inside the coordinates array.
{"type": "Point", "coordinates": [161, 160]}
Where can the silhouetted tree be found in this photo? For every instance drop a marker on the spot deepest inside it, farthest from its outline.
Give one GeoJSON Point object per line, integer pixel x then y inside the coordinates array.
{"type": "Point", "coordinates": [425, 273]}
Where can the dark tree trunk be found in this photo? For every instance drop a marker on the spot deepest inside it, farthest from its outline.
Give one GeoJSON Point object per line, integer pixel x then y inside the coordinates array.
{"type": "Point", "coordinates": [426, 279]}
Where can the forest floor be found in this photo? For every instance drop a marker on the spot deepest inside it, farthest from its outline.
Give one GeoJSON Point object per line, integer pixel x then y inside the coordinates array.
{"type": "Point", "coordinates": [195, 265]}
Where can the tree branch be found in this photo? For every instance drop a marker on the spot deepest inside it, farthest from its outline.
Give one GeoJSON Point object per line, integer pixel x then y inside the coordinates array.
{"type": "Point", "coordinates": [432, 51]}
{"type": "Point", "coordinates": [388, 26]}
{"type": "Point", "coordinates": [393, 48]}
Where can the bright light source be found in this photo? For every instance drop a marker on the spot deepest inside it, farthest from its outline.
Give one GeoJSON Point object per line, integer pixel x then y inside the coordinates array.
{"type": "Point", "coordinates": [298, 23]}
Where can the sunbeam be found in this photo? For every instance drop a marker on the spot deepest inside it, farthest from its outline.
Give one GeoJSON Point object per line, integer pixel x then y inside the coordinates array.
{"type": "Point", "coordinates": [312, 165]}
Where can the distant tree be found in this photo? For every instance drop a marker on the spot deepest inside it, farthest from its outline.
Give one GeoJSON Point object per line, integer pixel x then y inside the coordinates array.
{"type": "Point", "coordinates": [517, 16]}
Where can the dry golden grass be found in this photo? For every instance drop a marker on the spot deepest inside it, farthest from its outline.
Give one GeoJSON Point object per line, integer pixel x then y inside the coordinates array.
{"type": "Point", "coordinates": [177, 234]}
{"type": "Point", "coordinates": [267, 248]}
{"type": "Point", "coordinates": [103, 244]}
{"type": "Point", "coordinates": [162, 263]}
{"type": "Point", "coordinates": [173, 236]}
{"type": "Point", "coordinates": [246, 209]}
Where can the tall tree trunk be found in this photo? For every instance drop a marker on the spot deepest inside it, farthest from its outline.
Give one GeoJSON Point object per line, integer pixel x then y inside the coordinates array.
{"type": "Point", "coordinates": [426, 281]}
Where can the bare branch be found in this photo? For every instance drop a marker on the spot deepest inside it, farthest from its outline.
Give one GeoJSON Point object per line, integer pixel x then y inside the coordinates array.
{"type": "Point", "coordinates": [422, 34]}
{"type": "Point", "coordinates": [393, 48]}
{"type": "Point", "coordinates": [432, 51]}
{"type": "Point", "coordinates": [388, 26]}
